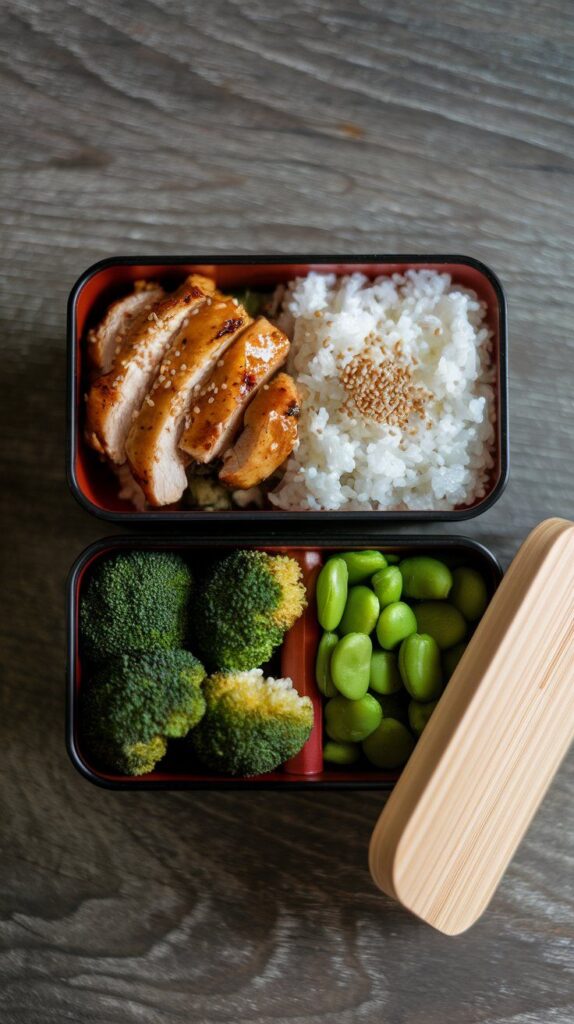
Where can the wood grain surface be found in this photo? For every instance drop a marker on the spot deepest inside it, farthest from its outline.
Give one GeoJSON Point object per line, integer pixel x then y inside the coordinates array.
{"type": "Point", "coordinates": [333, 126]}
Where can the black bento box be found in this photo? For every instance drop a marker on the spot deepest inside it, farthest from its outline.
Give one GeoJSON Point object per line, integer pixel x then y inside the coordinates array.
{"type": "Point", "coordinates": [296, 657]}
{"type": "Point", "coordinates": [93, 483]}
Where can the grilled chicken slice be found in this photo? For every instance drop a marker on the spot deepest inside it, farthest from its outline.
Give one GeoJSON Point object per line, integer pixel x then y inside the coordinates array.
{"type": "Point", "coordinates": [104, 339]}
{"type": "Point", "coordinates": [215, 414]}
{"type": "Point", "coordinates": [152, 446]}
{"type": "Point", "coordinates": [117, 395]}
{"type": "Point", "coordinates": [268, 437]}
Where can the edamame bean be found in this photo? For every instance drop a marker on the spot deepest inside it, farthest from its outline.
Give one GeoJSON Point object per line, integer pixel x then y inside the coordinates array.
{"type": "Point", "coordinates": [469, 593]}
{"type": "Point", "coordinates": [350, 721]}
{"type": "Point", "coordinates": [420, 667]}
{"type": "Point", "coordinates": [442, 621]}
{"type": "Point", "coordinates": [384, 676]}
{"type": "Point", "coordinates": [396, 622]}
{"type": "Point", "coordinates": [451, 658]}
{"type": "Point", "coordinates": [388, 585]}
{"type": "Point", "coordinates": [341, 753]}
{"type": "Point", "coordinates": [392, 559]}
{"type": "Point", "coordinates": [361, 611]}
{"type": "Point", "coordinates": [327, 645]}
{"type": "Point", "coordinates": [425, 578]}
{"type": "Point", "coordinates": [390, 745]}
{"type": "Point", "coordinates": [419, 715]}
{"type": "Point", "coordinates": [395, 705]}
{"type": "Point", "coordinates": [332, 593]}
{"type": "Point", "coordinates": [351, 665]}
{"type": "Point", "coordinates": [362, 564]}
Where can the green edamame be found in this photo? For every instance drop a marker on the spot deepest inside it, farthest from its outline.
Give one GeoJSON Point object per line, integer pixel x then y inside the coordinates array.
{"type": "Point", "coordinates": [469, 593]}
{"type": "Point", "coordinates": [396, 622]}
{"type": "Point", "coordinates": [331, 593]}
{"type": "Point", "coordinates": [362, 564]}
{"type": "Point", "coordinates": [390, 745]}
{"type": "Point", "coordinates": [422, 614]}
{"type": "Point", "coordinates": [327, 645]}
{"type": "Point", "coordinates": [384, 675]}
{"type": "Point", "coordinates": [350, 721]}
{"type": "Point", "coordinates": [419, 715]}
{"type": "Point", "coordinates": [451, 658]}
{"type": "Point", "coordinates": [361, 611]}
{"type": "Point", "coordinates": [425, 578]}
{"type": "Point", "coordinates": [388, 585]}
{"type": "Point", "coordinates": [351, 665]}
{"type": "Point", "coordinates": [341, 753]}
{"type": "Point", "coordinates": [442, 621]}
{"type": "Point", "coordinates": [420, 666]}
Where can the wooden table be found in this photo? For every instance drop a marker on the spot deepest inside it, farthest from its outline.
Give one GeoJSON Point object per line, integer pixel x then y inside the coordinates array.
{"type": "Point", "coordinates": [320, 125]}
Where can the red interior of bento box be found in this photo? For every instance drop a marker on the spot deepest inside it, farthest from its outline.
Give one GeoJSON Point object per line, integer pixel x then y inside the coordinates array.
{"type": "Point", "coordinates": [297, 660]}
{"type": "Point", "coordinates": [94, 479]}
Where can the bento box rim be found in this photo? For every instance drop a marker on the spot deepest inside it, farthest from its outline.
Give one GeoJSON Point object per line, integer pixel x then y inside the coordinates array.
{"type": "Point", "coordinates": [285, 539]}
{"type": "Point", "coordinates": [242, 515]}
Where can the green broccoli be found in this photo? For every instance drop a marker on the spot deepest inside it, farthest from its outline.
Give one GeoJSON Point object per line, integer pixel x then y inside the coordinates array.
{"type": "Point", "coordinates": [207, 493]}
{"type": "Point", "coordinates": [135, 601]}
{"type": "Point", "coordinates": [251, 300]}
{"type": "Point", "coordinates": [136, 702]}
{"type": "Point", "coordinates": [246, 604]}
{"type": "Point", "coordinates": [251, 724]}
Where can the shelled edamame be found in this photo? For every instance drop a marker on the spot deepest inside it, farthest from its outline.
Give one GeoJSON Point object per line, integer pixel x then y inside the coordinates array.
{"type": "Point", "coordinates": [394, 631]}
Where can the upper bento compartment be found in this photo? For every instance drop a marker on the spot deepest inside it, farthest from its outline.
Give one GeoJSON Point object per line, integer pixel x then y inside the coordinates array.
{"type": "Point", "coordinates": [376, 425]}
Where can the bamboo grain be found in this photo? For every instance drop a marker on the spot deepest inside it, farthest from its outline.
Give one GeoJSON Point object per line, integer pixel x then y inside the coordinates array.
{"type": "Point", "coordinates": [488, 755]}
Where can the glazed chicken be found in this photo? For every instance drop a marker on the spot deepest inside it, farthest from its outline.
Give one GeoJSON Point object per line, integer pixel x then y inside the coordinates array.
{"type": "Point", "coordinates": [268, 437]}
{"type": "Point", "coordinates": [152, 449]}
{"type": "Point", "coordinates": [120, 317]}
{"type": "Point", "coordinates": [215, 414]}
{"type": "Point", "coordinates": [116, 397]}
{"type": "Point", "coordinates": [177, 377]}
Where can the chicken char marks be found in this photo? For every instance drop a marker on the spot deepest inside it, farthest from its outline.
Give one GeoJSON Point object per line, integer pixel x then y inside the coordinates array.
{"type": "Point", "coordinates": [152, 446]}
{"type": "Point", "coordinates": [177, 378]}
{"type": "Point", "coordinates": [215, 414]}
{"type": "Point", "coordinates": [117, 395]}
{"type": "Point", "coordinates": [268, 437]}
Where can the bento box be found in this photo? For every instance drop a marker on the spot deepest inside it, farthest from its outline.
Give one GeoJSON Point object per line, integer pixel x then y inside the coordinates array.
{"type": "Point", "coordinates": [120, 427]}
{"type": "Point", "coordinates": [295, 658]}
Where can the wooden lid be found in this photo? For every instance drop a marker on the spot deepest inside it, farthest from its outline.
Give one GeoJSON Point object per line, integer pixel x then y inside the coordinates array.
{"type": "Point", "coordinates": [490, 751]}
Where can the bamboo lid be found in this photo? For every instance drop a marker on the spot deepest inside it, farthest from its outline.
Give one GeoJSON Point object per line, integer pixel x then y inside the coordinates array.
{"type": "Point", "coordinates": [490, 751]}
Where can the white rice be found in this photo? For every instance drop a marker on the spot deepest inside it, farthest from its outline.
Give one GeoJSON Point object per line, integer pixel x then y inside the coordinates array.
{"type": "Point", "coordinates": [344, 461]}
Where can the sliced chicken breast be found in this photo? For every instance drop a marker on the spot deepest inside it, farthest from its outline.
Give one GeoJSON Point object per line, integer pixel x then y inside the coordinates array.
{"type": "Point", "coordinates": [117, 395]}
{"type": "Point", "coordinates": [152, 449]}
{"type": "Point", "coordinates": [105, 339]}
{"type": "Point", "coordinates": [268, 437]}
{"type": "Point", "coordinates": [215, 414]}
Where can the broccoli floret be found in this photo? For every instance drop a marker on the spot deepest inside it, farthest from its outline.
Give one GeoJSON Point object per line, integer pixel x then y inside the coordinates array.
{"type": "Point", "coordinates": [247, 603]}
{"type": "Point", "coordinates": [136, 702]}
{"type": "Point", "coordinates": [206, 493]}
{"type": "Point", "coordinates": [135, 601]}
{"type": "Point", "coordinates": [252, 301]}
{"type": "Point", "coordinates": [251, 724]}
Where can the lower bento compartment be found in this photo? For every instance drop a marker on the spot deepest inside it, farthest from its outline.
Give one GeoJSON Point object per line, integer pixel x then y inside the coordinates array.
{"type": "Point", "coordinates": [295, 658]}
